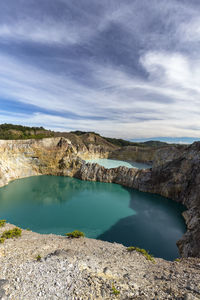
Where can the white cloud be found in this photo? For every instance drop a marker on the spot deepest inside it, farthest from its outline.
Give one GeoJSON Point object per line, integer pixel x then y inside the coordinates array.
{"type": "Point", "coordinates": [46, 29]}
{"type": "Point", "coordinates": [126, 116]}
{"type": "Point", "coordinates": [33, 86]}
{"type": "Point", "coordinates": [190, 31]}
{"type": "Point", "coordinates": [107, 128]}
{"type": "Point", "coordinates": [165, 103]}
{"type": "Point", "coordinates": [49, 32]}
{"type": "Point", "coordinates": [174, 71]}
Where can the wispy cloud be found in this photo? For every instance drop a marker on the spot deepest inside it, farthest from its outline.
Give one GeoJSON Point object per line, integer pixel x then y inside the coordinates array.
{"type": "Point", "coordinates": [67, 24]}
{"type": "Point", "coordinates": [74, 72]}
{"type": "Point", "coordinates": [45, 33]}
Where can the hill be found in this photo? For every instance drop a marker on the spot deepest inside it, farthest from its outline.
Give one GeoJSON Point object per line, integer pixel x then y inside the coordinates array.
{"type": "Point", "coordinates": [19, 132]}
{"type": "Point", "coordinates": [123, 143]}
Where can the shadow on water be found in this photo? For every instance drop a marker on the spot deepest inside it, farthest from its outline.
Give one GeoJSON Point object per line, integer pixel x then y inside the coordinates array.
{"type": "Point", "coordinates": [156, 225]}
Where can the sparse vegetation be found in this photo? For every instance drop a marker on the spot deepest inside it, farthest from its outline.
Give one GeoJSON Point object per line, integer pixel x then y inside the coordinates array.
{"type": "Point", "coordinates": [2, 240]}
{"type": "Point", "coordinates": [115, 291]}
{"type": "Point", "coordinates": [79, 132]}
{"type": "Point", "coordinates": [38, 257]}
{"type": "Point", "coordinates": [155, 144]}
{"type": "Point", "coordinates": [121, 142]}
{"type": "Point", "coordinates": [177, 260]}
{"type": "Point", "coordinates": [16, 132]}
{"type": "Point", "coordinates": [12, 233]}
{"type": "Point", "coordinates": [143, 252]}
{"type": "Point", "coordinates": [131, 248]}
{"type": "Point", "coordinates": [2, 223]}
{"type": "Point", "coordinates": [75, 234]}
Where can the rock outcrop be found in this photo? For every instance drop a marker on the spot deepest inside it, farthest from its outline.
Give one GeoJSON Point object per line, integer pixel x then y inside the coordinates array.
{"type": "Point", "coordinates": [175, 173]}
{"type": "Point", "coordinates": [90, 145]}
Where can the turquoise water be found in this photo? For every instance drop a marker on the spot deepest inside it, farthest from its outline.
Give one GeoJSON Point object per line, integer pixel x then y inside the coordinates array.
{"type": "Point", "coordinates": [50, 204]}
{"type": "Point", "coordinates": [111, 163]}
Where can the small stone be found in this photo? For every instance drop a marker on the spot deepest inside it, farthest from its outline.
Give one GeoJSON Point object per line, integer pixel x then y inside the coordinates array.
{"type": "Point", "coordinates": [189, 296]}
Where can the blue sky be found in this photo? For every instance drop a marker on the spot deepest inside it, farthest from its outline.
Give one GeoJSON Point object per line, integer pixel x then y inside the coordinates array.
{"type": "Point", "coordinates": [127, 69]}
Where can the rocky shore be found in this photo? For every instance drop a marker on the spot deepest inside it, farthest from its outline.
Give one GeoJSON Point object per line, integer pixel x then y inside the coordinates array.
{"type": "Point", "coordinates": [89, 269]}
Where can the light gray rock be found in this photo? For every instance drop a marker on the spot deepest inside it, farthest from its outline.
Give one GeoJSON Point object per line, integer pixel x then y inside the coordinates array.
{"type": "Point", "coordinates": [86, 268]}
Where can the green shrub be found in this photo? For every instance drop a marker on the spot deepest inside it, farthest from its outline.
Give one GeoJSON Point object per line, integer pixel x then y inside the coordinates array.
{"type": "Point", "coordinates": [143, 252]}
{"type": "Point", "coordinates": [131, 248]}
{"type": "Point", "coordinates": [38, 257]}
{"type": "Point", "coordinates": [2, 223]}
{"type": "Point", "coordinates": [115, 291]}
{"type": "Point", "coordinates": [2, 240]}
{"type": "Point", "coordinates": [177, 259]}
{"type": "Point", "coordinates": [12, 233]}
{"type": "Point", "coordinates": [75, 234]}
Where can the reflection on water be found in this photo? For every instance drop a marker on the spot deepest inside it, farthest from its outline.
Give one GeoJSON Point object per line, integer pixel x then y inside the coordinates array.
{"type": "Point", "coordinates": [50, 204]}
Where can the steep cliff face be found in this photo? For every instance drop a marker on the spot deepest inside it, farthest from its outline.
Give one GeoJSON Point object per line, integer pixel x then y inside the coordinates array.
{"type": "Point", "coordinates": [175, 174]}
{"type": "Point", "coordinates": [156, 155]}
{"type": "Point", "coordinates": [22, 158]}
{"type": "Point", "coordinates": [167, 154]}
{"type": "Point", "coordinates": [134, 153]}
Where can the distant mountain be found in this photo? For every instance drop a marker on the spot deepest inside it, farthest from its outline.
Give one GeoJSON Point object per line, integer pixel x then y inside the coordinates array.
{"type": "Point", "coordinates": [169, 140]}
{"type": "Point", "coordinates": [155, 144]}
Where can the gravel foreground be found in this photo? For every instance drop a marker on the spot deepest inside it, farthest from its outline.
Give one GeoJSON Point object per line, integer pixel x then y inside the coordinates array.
{"type": "Point", "coordinates": [78, 269]}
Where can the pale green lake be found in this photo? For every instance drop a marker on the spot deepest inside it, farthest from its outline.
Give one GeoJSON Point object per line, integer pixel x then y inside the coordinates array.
{"type": "Point", "coordinates": [112, 163]}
